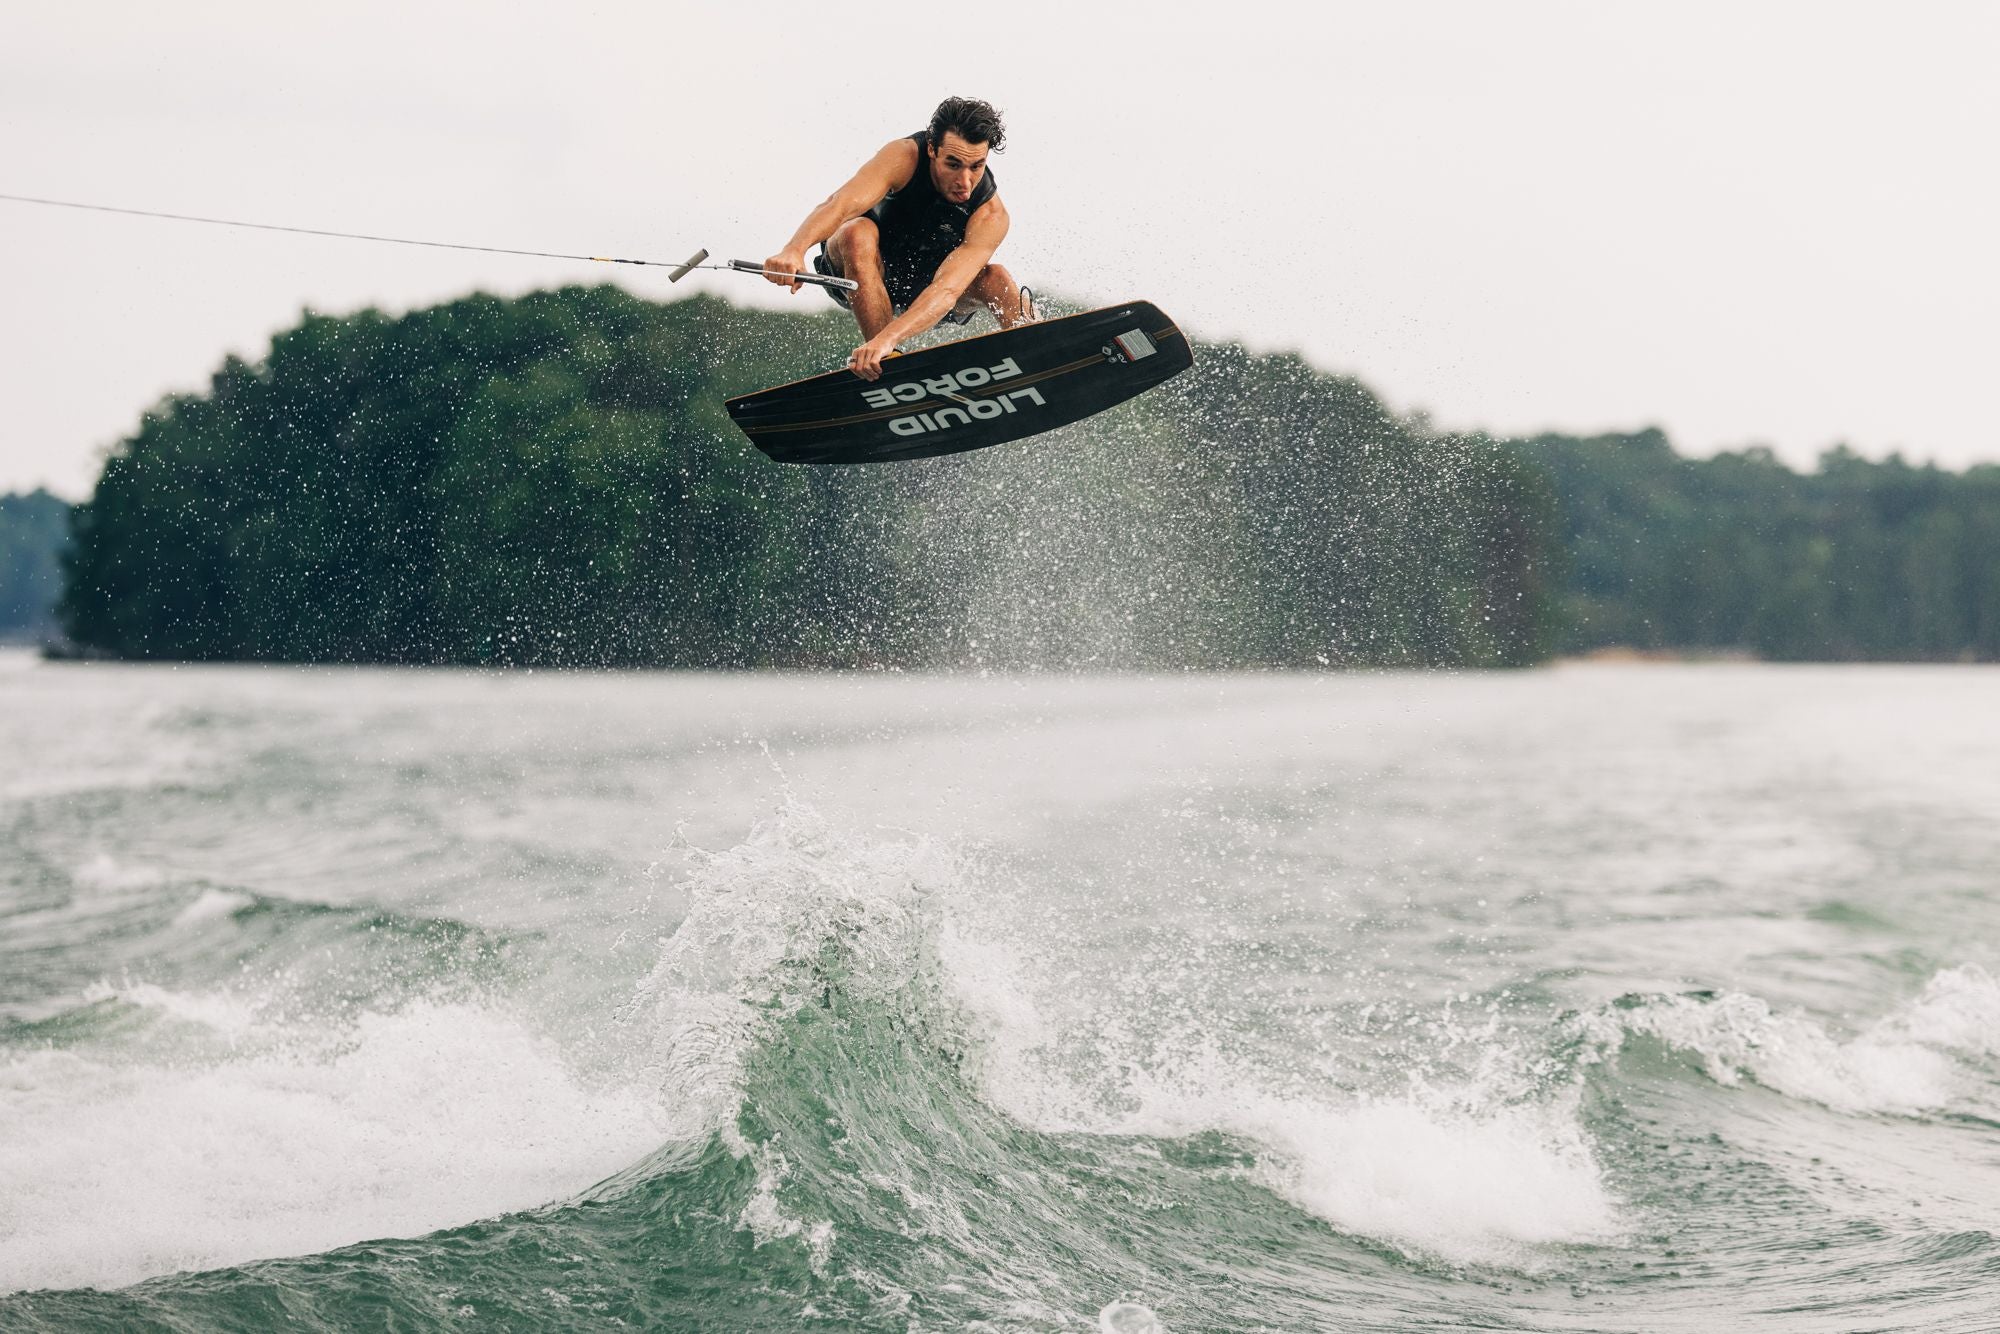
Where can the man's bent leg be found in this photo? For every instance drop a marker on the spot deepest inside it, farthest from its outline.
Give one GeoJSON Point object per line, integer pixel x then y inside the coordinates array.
{"type": "Point", "coordinates": [998, 292]}
{"type": "Point", "coordinates": [856, 251]}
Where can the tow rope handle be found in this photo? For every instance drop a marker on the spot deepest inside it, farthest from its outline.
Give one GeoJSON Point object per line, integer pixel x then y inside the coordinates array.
{"type": "Point", "coordinates": [698, 258]}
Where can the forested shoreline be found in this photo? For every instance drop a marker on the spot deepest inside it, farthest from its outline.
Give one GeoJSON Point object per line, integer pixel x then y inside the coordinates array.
{"type": "Point", "coordinates": [551, 480]}
{"type": "Point", "coordinates": [1856, 561]}
{"type": "Point", "coordinates": [34, 529]}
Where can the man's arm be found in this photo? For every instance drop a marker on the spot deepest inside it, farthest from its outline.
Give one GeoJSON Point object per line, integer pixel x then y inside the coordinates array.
{"type": "Point", "coordinates": [984, 231]}
{"type": "Point", "coordinates": [890, 169]}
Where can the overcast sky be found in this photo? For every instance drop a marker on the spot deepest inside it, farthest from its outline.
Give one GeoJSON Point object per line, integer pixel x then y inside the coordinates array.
{"type": "Point", "coordinates": [1746, 223]}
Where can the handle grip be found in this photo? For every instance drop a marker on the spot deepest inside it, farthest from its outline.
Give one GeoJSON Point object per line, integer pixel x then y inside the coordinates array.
{"type": "Point", "coordinates": [816, 279]}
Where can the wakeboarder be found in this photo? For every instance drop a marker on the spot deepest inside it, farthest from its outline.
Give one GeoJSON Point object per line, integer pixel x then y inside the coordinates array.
{"type": "Point", "coordinates": [916, 227]}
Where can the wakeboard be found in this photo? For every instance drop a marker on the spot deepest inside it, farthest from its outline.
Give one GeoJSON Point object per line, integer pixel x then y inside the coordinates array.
{"type": "Point", "coordinates": [970, 394]}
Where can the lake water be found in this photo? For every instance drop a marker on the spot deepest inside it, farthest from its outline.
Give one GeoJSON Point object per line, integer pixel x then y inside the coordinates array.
{"type": "Point", "coordinates": [1592, 998]}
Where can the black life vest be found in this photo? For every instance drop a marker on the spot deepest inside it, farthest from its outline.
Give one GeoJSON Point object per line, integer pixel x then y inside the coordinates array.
{"type": "Point", "coordinates": [918, 226]}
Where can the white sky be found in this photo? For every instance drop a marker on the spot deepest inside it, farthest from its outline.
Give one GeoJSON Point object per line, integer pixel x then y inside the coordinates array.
{"type": "Point", "coordinates": [1744, 222]}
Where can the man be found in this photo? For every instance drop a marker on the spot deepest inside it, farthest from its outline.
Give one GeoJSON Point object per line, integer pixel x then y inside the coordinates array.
{"type": "Point", "coordinates": [916, 227]}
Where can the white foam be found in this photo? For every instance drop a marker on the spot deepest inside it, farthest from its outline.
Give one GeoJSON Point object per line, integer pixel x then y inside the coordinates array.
{"type": "Point", "coordinates": [105, 872]}
{"type": "Point", "coordinates": [211, 904]}
{"type": "Point", "coordinates": [1958, 1011]}
{"type": "Point", "coordinates": [1472, 1173]}
{"type": "Point", "coordinates": [1122, 1317]}
{"type": "Point", "coordinates": [1467, 1174]}
{"type": "Point", "coordinates": [766, 1220]}
{"type": "Point", "coordinates": [1455, 1174]}
{"type": "Point", "coordinates": [1489, 1187]}
{"type": "Point", "coordinates": [762, 919]}
{"type": "Point", "coordinates": [432, 1116]}
{"type": "Point", "coordinates": [1900, 1066]}
{"type": "Point", "coordinates": [218, 1010]}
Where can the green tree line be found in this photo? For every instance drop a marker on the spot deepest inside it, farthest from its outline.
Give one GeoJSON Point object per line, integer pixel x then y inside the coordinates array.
{"type": "Point", "coordinates": [552, 480]}
{"type": "Point", "coordinates": [1855, 561]}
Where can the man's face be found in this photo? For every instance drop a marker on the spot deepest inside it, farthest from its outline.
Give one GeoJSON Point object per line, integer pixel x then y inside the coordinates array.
{"type": "Point", "coordinates": [956, 167]}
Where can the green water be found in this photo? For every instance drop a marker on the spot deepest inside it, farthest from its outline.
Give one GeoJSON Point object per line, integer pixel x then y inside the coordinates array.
{"type": "Point", "coordinates": [1584, 999]}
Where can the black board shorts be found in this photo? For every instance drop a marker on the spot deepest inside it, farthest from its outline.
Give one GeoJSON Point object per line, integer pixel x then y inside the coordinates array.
{"type": "Point", "coordinates": [962, 313]}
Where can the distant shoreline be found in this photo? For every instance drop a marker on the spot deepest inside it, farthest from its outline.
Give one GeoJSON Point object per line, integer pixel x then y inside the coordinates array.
{"type": "Point", "coordinates": [546, 481]}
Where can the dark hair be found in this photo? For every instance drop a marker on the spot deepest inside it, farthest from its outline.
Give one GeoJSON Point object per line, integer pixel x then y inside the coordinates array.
{"type": "Point", "coordinates": [976, 122]}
